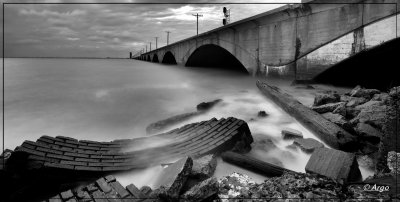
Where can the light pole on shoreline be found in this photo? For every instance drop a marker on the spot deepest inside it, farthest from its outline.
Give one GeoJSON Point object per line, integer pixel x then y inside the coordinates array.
{"type": "Point", "coordinates": [156, 41]}
{"type": "Point", "coordinates": [197, 17]}
{"type": "Point", "coordinates": [168, 37]}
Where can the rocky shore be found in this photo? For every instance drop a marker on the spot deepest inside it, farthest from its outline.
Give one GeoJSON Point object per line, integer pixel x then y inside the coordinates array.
{"type": "Point", "coordinates": [361, 126]}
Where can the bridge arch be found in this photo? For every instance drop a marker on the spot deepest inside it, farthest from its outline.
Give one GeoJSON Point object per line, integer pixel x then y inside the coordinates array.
{"type": "Point", "coordinates": [169, 58]}
{"type": "Point", "coordinates": [148, 58]}
{"type": "Point", "coordinates": [372, 68]}
{"type": "Point", "coordinates": [211, 55]}
{"type": "Point", "coordinates": [155, 58]}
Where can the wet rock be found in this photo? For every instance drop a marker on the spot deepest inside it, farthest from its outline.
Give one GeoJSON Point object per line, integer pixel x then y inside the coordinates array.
{"type": "Point", "coordinates": [395, 92]}
{"type": "Point", "coordinates": [366, 161]}
{"type": "Point", "coordinates": [244, 140]}
{"type": "Point", "coordinates": [338, 120]}
{"type": "Point", "coordinates": [368, 133]}
{"type": "Point", "coordinates": [354, 101]}
{"type": "Point", "coordinates": [234, 185]}
{"type": "Point", "coordinates": [204, 106]}
{"type": "Point", "coordinates": [380, 97]}
{"type": "Point", "coordinates": [341, 109]}
{"type": "Point", "coordinates": [289, 133]}
{"type": "Point", "coordinates": [351, 112]}
{"type": "Point", "coordinates": [393, 162]}
{"type": "Point", "coordinates": [262, 114]}
{"type": "Point", "coordinates": [327, 107]}
{"type": "Point", "coordinates": [163, 124]}
{"type": "Point", "coordinates": [325, 98]}
{"type": "Point", "coordinates": [373, 113]}
{"type": "Point", "coordinates": [263, 143]}
{"type": "Point", "coordinates": [203, 167]}
{"type": "Point", "coordinates": [201, 191]}
{"type": "Point", "coordinates": [359, 91]}
{"type": "Point", "coordinates": [345, 98]}
{"type": "Point", "coordinates": [173, 178]}
{"type": "Point", "coordinates": [337, 165]}
{"type": "Point", "coordinates": [308, 145]}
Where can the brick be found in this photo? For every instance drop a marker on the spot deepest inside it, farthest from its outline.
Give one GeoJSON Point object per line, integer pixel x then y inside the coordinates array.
{"type": "Point", "coordinates": [57, 165]}
{"type": "Point", "coordinates": [119, 189]}
{"type": "Point", "coordinates": [89, 142]}
{"type": "Point", "coordinates": [56, 156]}
{"type": "Point", "coordinates": [87, 168]}
{"type": "Point", "coordinates": [118, 168]}
{"type": "Point", "coordinates": [87, 160]}
{"type": "Point", "coordinates": [41, 158]}
{"type": "Point", "coordinates": [29, 144]}
{"type": "Point", "coordinates": [135, 192]}
{"type": "Point", "coordinates": [103, 185]}
{"type": "Point", "coordinates": [75, 163]}
{"type": "Point", "coordinates": [112, 160]}
{"type": "Point", "coordinates": [72, 200]}
{"type": "Point", "coordinates": [101, 157]}
{"type": "Point", "coordinates": [66, 144]}
{"type": "Point", "coordinates": [44, 141]}
{"type": "Point", "coordinates": [49, 150]}
{"type": "Point", "coordinates": [31, 151]}
{"type": "Point", "coordinates": [76, 155]}
{"type": "Point", "coordinates": [110, 178]}
{"type": "Point", "coordinates": [88, 148]}
{"type": "Point", "coordinates": [60, 148]}
{"type": "Point", "coordinates": [99, 196]}
{"type": "Point", "coordinates": [112, 196]}
{"type": "Point", "coordinates": [101, 164]}
{"type": "Point", "coordinates": [91, 187]}
{"type": "Point", "coordinates": [67, 195]}
{"type": "Point", "coordinates": [64, 138]}
{"type": "Point", "coordinates": [55, 198]}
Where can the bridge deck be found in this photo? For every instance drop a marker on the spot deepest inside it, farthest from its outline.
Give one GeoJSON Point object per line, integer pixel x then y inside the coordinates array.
{"type": "Point", "coordinates": [196, 139]}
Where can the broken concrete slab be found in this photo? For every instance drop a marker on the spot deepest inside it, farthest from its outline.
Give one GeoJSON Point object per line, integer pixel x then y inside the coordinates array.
{"type": "Point", "coordinates": [173, 178]}
{"type": "Point", "coordinates": [337, 165]}
{"type": "Point", "coordinates": [204, 167]}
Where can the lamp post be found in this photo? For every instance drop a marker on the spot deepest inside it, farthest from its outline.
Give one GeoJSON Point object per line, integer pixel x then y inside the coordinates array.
{"type": "Point", "coordinates": [168, 37]}
{"type": "Point", "coordinates": [197, 17]}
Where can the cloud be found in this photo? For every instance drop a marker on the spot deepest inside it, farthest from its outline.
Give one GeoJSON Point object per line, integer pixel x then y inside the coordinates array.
{"type": "Point", "coordinates": [109, 30]}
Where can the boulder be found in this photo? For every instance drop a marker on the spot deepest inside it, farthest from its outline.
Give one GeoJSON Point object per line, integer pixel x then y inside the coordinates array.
{"type": "Point", "coordinates": [359, 91]}
{"type": "Point", "coordinates": [341, 109]}
{"type": "Point", "coordinates": [380, 97]}
{"type": "Point", "coordinates": [338, 120]}
{"type": "Point", "coordinates": [201, 191]}
{"type": "Point", "coordinates": [204, 106]}
{"type": "Point", "coordinates": [395, 92]}
{"type": "Point", "coordinates": [325, 98]}
{"type": "Point", "coordinates": [368, 133]}
{"type": "Point", "coordinates": [373, 113]}
{"type": "Point", "coordinates": [393, 162]}
{"type": "Point", "coordinates": [335, 164]}
{"type": "Point", "coordinates": [264, 143]}
{"type": "Point", "coordinates": [354, 101]}
{"type": "Point", "coordinates": [366, 161]}
{"type": "Point", "coordinates": [308, 145]}
{"type": "Point", "coordinates": [173, 178]}
{"type": "Point", "coordinates": [203, 167]}
{"type": "Point", "coordinates": [262, 114]}
{"type": "Point", "coordinates": [289, 133]}
{"type": "Point", "coordinates": [327, 107]}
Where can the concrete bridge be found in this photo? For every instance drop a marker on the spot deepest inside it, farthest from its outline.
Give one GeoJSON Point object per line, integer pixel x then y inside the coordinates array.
{"type": "Point", "coordinates": [300, 41]}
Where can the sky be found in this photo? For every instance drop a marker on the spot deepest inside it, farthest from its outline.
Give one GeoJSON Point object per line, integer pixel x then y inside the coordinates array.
{"type": "Point", "coordinates": [111, 30]}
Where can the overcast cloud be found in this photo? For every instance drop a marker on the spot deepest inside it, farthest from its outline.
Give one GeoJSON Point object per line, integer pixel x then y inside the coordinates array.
{"type": "Point", "coordinates": [109, 30]}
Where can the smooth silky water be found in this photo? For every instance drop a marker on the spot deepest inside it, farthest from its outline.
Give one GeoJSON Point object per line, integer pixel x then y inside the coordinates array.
{"type": "Point", "coordinates": [103, 100]}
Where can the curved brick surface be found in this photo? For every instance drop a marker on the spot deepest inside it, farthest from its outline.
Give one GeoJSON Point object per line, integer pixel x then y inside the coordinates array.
{"type": "Point", "coordinates": [196, 139]}
{"type": "Point", "coordinates": [103, 189]}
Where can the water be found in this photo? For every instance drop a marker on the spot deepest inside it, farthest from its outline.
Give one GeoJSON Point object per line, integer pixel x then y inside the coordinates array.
{"type": "Point", "coordinates": [103, 100]}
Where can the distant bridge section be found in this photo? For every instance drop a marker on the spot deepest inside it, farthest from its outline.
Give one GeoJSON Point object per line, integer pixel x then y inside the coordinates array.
{"type": "Point", "coordinates": [299, 41]}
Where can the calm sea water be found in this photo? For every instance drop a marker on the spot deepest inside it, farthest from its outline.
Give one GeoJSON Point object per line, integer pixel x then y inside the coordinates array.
{"type": "Point", "coordinates": [103, 100]}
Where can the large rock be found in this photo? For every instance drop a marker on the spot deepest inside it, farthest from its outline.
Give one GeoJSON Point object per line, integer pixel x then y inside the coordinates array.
{"type": "Point", "coordinates": [289, 133]}
{"type": "Point", "coordinates": [362, 92]}
{"type": "Point", "coordinates": [325, 98]}
{"type": "Point", "coordinates": [368, 133]}
{"type": "Point", "coordinates": [373, 113]}
{"type": "Point", "coordinates": [203, 167]}
{"type": "Point", "coordinates": [393, 162]}
{"type": "Point", "coordinates": [380, 97]}
{"type": "Point", "coordinates": [337, 165]}
{"type": "Point", "coordinates": [308, 145]}
{"type": "Point", "coordinates": [354, 101]}
{"type": "Point", "coordinates": [201, 191]}
{"type": "Point", "coordinates": [341, 109]}
{"type": "Point", "coordinates": [173, 178]}
{"type": "Point", "coordinates": [327, 107]}
{"type": "Point", "coordinates": [338, 120]}
{"type": "Point", "coordinates": [204, 106]}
